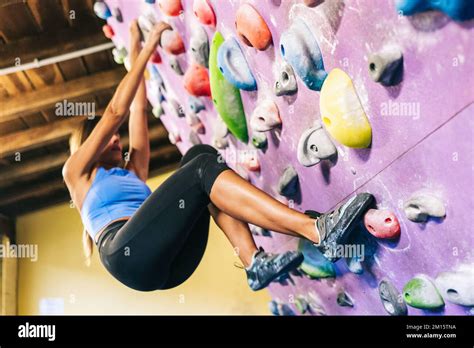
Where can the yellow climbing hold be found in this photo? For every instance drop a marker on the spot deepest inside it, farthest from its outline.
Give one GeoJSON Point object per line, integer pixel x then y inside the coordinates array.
{"type": "Point", "coordinates": [146, 74]}
{"type": "Point", "coordinates": [342, 112]}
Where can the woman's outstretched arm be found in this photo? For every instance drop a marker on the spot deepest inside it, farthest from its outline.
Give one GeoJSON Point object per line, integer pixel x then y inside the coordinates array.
{"type": "Point", "coordinates": [139, 144]}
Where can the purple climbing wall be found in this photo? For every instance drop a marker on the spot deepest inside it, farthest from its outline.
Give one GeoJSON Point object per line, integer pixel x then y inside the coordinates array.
{"type": "Point", "coordinates": [422, 133]}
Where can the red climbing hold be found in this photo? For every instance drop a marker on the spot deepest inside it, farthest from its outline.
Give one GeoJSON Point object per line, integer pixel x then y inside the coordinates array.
{"type": "Point", "coordinates": [108, 31]}
{"type": "Point", "coordinates": [252, 28]}
{"type": "Point", "coordinates": [171, 8]}
{"type": "Point", "coordinates": [196, 81]}
{"type": "Point", "coordinates": [204, 12]}
{"type": "Point", "coordinates": [155, 58]}
{"type": "Point", "coordinates": [382, 224]}
{"type": "Point", "coordinates": [171, 42]}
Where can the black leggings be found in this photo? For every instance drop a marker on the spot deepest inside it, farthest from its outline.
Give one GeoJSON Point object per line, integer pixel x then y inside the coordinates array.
{"type": "Point", "coordinates": [164, 241]}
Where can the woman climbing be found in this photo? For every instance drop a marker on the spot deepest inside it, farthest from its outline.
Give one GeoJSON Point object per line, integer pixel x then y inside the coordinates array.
{"type": "Point", "coordinates": [150, 241]}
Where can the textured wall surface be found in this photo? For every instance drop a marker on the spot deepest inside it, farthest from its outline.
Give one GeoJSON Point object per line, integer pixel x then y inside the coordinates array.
{"type": "Point", "coordinates": [430, 147]}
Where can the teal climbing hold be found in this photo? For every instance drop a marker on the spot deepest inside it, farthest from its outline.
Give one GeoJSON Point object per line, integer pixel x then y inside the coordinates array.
{"type": "Point", "coordinates": [459, 10]}
{"type": "Point", "coordinates": [391, 299]}
{"type": "Point", "coordinates": [225, 96]}
{"type": "Point", "coordinates": [420, 292]}
{"type": "Point", "coordinates": [457, 286]}
{"type": "Point", "coordinates": [315, 265]}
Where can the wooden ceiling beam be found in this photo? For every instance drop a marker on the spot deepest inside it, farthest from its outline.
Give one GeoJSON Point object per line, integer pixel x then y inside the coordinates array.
{"type": "Point", "coordinates": [47, 97]}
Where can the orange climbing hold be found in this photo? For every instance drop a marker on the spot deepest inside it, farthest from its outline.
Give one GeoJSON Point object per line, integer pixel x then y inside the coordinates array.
{"type": "Point", "coordinates": [171, 8]}
{"type": "Point", "coordinates": [252, 28]}
{"type": "Point", "coordinates": [382, 224]}
{"type": "Point", "coordinates": [203, 11]}
{"type": "Point", "coordinates": [155, 58]}
{"type": "Point", "coordinates": [108, 31]}
{"type": "Point", "coordinates": [196, 81]}
{"type": "Point", "coordinates": [171, 42]}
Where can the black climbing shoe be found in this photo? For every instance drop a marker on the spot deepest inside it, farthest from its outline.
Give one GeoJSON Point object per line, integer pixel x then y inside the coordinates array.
{"type": "Point", "coordinates": [335, 226]}
{"type": "Point", "coordinates": [267, 267]}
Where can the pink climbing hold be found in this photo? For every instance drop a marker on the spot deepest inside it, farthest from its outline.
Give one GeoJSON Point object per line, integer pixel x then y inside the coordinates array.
{"type": "Point", "coordinates": [171, 42]}
{"type": "Point", "coordinates": [203, 11]}
{"type": "Point", "coordinates": [155, 58]}
{"type": "Point", "coordinates": [250, 162]}
{"type": "Point", "coordinates": [171, 8]}
{"type": "Point", "coordinates": [108, 31]}
{"type": "Point", "coordinates": [196, 81]}
{"type": "Point", "coordinates": [382, 224]}
{"type": "Point", "coordinates": [265, 117]}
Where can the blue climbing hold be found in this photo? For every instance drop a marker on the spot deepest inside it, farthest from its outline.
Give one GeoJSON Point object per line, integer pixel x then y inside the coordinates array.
{"type": "Point", "coordinates": [299, 48]}
{"type": "Point", "coordinates": [233, 65]}
{"type": "Point", "coordinates": [286, 310]}
{"type": "Point", "coordinates": [315, 265]}
{"type": "Point", "coordinates": [459, 10]}
{"type": "Point", "coordinates": [273, 306]}
{"type": "Point", "coordinates": [196, 104]}
{"type": "Point", "coordinates": [102, 10]}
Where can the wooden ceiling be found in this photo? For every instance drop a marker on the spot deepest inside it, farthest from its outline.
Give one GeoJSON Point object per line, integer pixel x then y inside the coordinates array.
{"type": "Point", "coordinates": [33, 140]}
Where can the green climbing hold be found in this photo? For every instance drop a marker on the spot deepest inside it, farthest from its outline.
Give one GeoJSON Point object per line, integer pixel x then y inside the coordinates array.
{"type": "Point", "coordinates": [315, 265]}
{"type": "Point", "coordinates": [225, 96]}
{"type": "Point", "coordinates": [420, 292]}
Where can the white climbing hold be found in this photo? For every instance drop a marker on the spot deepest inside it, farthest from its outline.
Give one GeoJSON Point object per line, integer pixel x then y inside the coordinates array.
{"type": "Point", "coordinates": [423, 204]}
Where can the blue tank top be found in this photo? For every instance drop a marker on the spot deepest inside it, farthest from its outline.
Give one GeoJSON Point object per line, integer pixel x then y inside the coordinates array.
{"type": "Point", "coordinates": [114, 194]}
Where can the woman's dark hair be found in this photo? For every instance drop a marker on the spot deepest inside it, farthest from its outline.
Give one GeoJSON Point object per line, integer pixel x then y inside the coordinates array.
{"type": "Point", "coordinates": [81, 133]}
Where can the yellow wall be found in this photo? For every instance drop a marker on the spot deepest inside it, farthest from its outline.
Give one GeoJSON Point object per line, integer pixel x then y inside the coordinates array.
{"type": "Point", "coordinates": [216, 287]}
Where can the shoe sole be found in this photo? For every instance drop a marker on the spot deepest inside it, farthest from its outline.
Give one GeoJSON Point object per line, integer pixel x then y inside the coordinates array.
{"type": "Point", "coordinates": [293, 264]}
{"type": "Point", "coordinates": [355, 210]}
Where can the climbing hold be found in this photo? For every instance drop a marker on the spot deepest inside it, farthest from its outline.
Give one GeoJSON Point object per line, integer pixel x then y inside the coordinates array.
{"type": "Point", "coordinates": [234, 66]}
{"type": "Point", "coordinates": [457, 286]}
{"type": "Point", "coordinates": [174, 64]}
{"type": "Point", "coordinates": [459, 10]}
{"type": "Point", "coordinates": [219, 134]}
{"type": "Point", "coordinates": [313, 3]}
{"type": "Point", "coordinates": [119, 54]}
{"type": "Point", "coordinates": [354, 264]}
{"type": "Point", "coordinates": [250, 161]}
{"type": "Point", "coordinates": [146, 24]}
{"type": "Point", "coordinates": [259, 231]}
{"type": "Point", "coordinates": [174, 137]}
{"type": "Point", "coordinates": [150, 1]}
{"type": "Point", "coordinates": [156, 76]}
{"type": "Point", "coordinates": [344, 300]}
{"type": "Point", "coordinates": [286, 310]}
{"type": "Point", "coordinates": [252, 28]}
{"type": "Point", "coordinates": [265, 117]}
{"type": "Point", "coordinates": [196, 104]}
{"type": "Point", "coordinates": [288, 183]}
{"type": "Point", "coordinates": [259, 140]}
{"type": "Point", "coordinates": [194, 138]}
{"type": "Point", "coordinates": [386, 66]}
{"type": "Point", "coordinates": [382, 224]}
{"type": "Point", "coordinates": [286, 83]}
{"type": "Point", "coordinates": [199, 45]}
{"type": "Point", "coordinates": [102, 10]}
{"type": "Point", "coordinates": [299, 48]}
{"type": "Point", "coordinates": [423, 204]}
{"type": "Point", "coordinates": [342, 112]}
{"type": "Point", "coordinates": [301, 304]}
{"type": "Point", "coordinates": [171, 42]}
{"type": "Point", "coordinates": [420, 292]}
{"type": "Point", "coordinates": [157, 111]}
{"type": "Point", "coordinates": [117, 14]}
{"type": "Point", "coordinates": [203, 11]}
{"type": "Point", "coordinates": [225, 96]}
{"type": "Point", "coordinates": [170, 8]}
{"type": "Point", "coordinates": [155, 58]}
{"type": "Point", "coordinates": [177, 108]}
{"type": "Point", "coordinates": [194, 122]}
{"type": "Point", "coordinates": [108, 31]}
{"type": "Point", "coordinates": [391, 299]}
{"type": "Point", "coordinates": [196, 81]}
{"type": "Point", "coordinates": [274, 307]}
{"type": "Point", "coordinates": [314, 145]}
{"type": "Point", "coordinates": [315, 265]}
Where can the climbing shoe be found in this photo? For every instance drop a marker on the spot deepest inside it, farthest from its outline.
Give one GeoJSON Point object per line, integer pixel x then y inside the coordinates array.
{"type": "Point", "coordinates": [335, 226]}
{"type": "Point", "coordinates": [267, 267]}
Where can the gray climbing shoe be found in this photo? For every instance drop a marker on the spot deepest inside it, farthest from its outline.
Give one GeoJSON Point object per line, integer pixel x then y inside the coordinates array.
{"type": "Point", "coordinates": [267, 267]}
{"type": "Point", "coordinates": [335, 226]}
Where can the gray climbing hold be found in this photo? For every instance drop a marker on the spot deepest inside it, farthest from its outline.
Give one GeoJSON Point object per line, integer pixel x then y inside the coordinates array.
{"type": "Point", "coordinates": [259, 140]}
{"type": "Point", "coordinates": [457, 286]}
{"type": "Point", "coordinates": [158, 111]}
{"type": "Point", "coordinates": [117, 14]}
{"type": "Point", "coordinates": [265, 117]}
{"type": "Point", "coordinates": [199, 44]}
{"type": "Point", "coordinates": [288, 183]}
{"type": "Point", "coordinates": [174, 64]}
{"type": "Point", "coordinates": [259, 231]}
{"type": "Point", "coordinates": [196, 104]}
{"type": "Point", "coordinates": [420, 292]}
{"type": "Point", "coordinates": [177, 108]}
{"type": "Point", "coordinates": [314, 145]}
{"type": "Point", "coordinates": [386, 66]}
{"type": "Point", "coordinates": [285, 309]}
{"type": "Point", "coordinates": [344, 300]}
{"type": "Point", "coordinates": [274, 307]}
{"type": "Point", "coordinates": [219, 136]}
{"type": "Point", "coordinates": [391, 299]}
{"type": "Point", "coordinates": [354, 264]}
{"type": "Point", "coordinates": [146, 23]}
{"type": "Point", "coordinates": [194, 138]}
{"type": "Point", "coordinates": [422, 205]}
{"type": "Point", "coordinates": [286, 83]}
